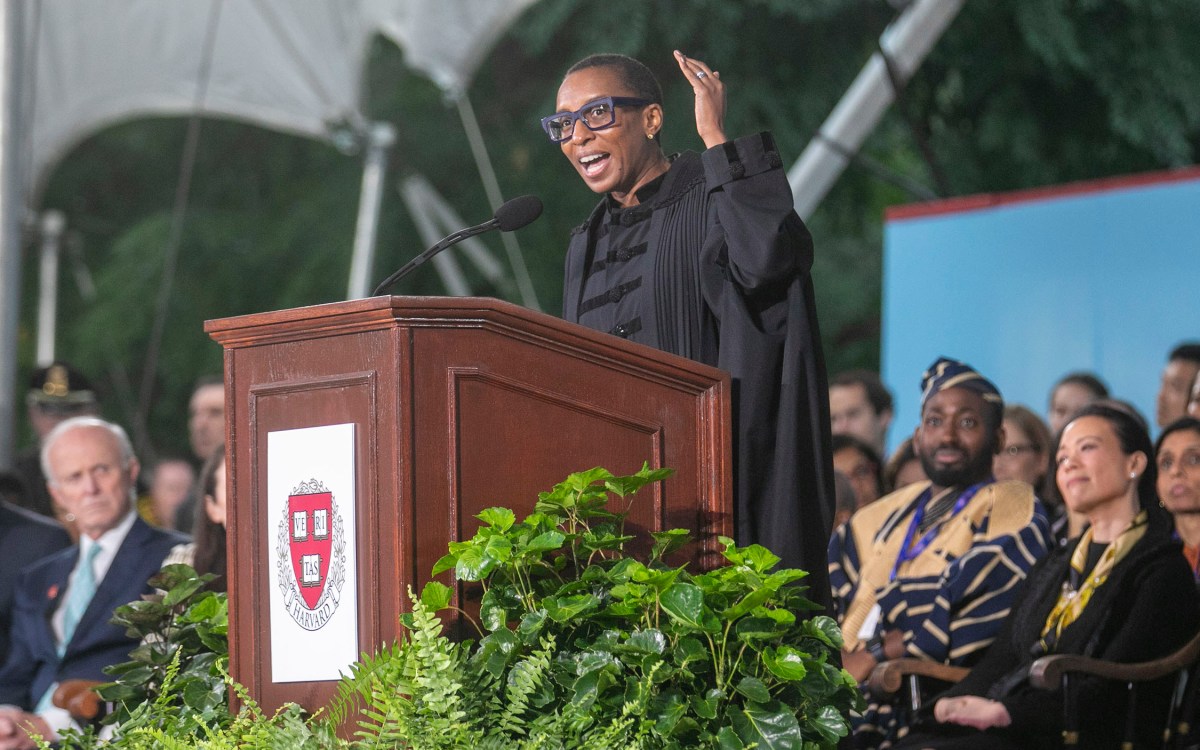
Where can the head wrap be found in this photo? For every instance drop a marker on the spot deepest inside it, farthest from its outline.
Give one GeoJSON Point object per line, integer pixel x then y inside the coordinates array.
{"type": "Point", "coordinates": [950, 373]}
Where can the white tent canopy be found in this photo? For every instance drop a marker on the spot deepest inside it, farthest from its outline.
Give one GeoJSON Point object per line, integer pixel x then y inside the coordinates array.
{"type": "Point", "coordinates": [71, 68]}
{"type": "Point", "coordinates": [291, 65]}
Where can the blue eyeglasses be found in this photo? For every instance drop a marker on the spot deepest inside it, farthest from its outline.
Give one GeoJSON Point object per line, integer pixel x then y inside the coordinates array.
{"type": "Point", "coordinates": [596, 115]}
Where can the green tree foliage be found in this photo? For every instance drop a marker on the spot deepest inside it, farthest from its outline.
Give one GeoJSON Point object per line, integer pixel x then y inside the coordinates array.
{"type": "Point", "coordinates": [1016, 94]}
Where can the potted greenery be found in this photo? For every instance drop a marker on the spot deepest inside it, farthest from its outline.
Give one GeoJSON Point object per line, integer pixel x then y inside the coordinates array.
{"type": "Point", "coordinates": [581, 644]}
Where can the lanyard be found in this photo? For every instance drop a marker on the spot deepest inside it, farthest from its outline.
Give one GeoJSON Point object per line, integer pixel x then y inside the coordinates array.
{"type": "Point", "coordinates": [911, 551]}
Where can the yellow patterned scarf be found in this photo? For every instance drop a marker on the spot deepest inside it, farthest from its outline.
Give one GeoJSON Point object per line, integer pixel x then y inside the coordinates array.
{"type": "Point", "coordinates": [1072, 601]}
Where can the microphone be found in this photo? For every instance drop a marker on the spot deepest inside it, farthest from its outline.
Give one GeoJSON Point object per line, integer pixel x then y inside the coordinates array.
{"type": "Point", "coordinates": [514, 214]}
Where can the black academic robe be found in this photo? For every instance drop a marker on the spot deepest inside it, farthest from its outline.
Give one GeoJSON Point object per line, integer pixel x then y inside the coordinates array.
{"type": "Point", "coordinates": [724, 278]}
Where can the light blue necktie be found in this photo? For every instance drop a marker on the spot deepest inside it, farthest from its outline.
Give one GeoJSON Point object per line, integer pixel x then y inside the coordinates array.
{"type": "Point", "coordinates": [83, 588]}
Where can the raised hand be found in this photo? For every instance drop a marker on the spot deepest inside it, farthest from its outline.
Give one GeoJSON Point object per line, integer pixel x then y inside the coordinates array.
{"type": "Point", "coordinates": [710, 99]}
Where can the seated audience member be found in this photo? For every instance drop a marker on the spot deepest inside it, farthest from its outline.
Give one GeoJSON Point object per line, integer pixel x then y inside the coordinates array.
{"type": "Point", "coordinates": [1026, 453]}
{"type": "Point", "coordinates": [206, 430]}
{"type": "Point", "coordinates": [25, 537]}
{"type": "Point", "coordinates": [931, 570]}
{"type": "Point", "coordinates": [845, 502]}
{"type": "Point", "coordinates": [1070, 394]}
{"type": "Point", "coordinates": [62, 604]}
{"type": "Point", "coordinates": [206, 554]}
{"type": "Point", "coordinates": [860, 405]}
{"type": "Point", "coordinates": [1122, 592]}
{"type": "Point", "coordinates": [56, 393]}
{"type": "Point", "coordinates": [1183, 364]}
{"type": "Point", "coordinates": [1026, 458]}
{"type": "Point", "coordinates": [170, 483]}
{"type": "Point", "coordinates": [1178, 454]}
{"type": "Point", "coordinates": [861, 464]}
{"type": "Point", "coordinates": [1193, 407]}
{"type": "Point", "coordinates": [903, 468]}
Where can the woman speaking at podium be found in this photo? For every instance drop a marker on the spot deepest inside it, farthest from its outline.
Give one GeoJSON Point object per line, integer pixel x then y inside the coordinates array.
{"type": "Point", "coordinates": [702, 255]}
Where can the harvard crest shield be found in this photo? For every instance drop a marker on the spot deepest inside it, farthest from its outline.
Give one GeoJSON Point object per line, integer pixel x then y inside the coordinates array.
{"type": "Point", "coordinates": [311, 554]}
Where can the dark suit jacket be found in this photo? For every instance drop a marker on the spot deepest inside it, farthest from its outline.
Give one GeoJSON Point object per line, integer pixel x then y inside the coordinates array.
{"type": "Point", "coordinates": [25, 538]}
{"type": "Point", "coordinates": [33, 663]}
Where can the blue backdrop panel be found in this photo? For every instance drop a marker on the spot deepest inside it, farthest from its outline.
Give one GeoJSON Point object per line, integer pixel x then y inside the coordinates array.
{"type": "Point", "coordinates": [1102, 277]}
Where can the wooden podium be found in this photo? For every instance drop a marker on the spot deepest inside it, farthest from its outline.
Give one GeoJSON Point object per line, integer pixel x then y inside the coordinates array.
{"type": "Point", "coordinates": [458, 404]}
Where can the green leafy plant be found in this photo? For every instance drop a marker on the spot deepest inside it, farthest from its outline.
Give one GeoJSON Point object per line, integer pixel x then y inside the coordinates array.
{"type": "Point", "coordinates": [180, 666]}
{"type": "Point", "coordinates": [582, 644]}
{"type": "Point", "coordinates": [580, 637]}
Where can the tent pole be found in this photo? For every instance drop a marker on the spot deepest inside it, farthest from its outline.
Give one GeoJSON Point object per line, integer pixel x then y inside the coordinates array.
{"type": "Point", "coordinates": [906, 42]}
{"type": "Point", "coordinates": [52, 226]}
{"type": "Point", "coordinates": [10, 222]}
{"type": "Point", "coordinates": [492, 186]}
{"type": "Point", "coordinates": [379, 138]}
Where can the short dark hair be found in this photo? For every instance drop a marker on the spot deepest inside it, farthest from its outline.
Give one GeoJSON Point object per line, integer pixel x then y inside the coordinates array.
{"type": "Point", "coordinates": [1092, 383]}
{"type": "Point", "coordinates": [1179, 425]}
{"type": "Point", "coordinates": [1188, 351]}
{"type": "Point", "coordinates": [843, 441]}
{"type": "Point", "coordinates": [877, 393]}
{"type": "Point", "coordinates": [633, 74]}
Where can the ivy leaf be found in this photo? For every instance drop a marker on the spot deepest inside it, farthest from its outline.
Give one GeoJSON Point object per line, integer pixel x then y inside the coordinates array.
{"type": "Point", "coordinates": [689, 650]}
{"type": "Point", "coordinates": [706, 707]}
{"type": "Point", "coordinates": [748, 603]}
{"type": "Point", "coordinates": [563, 608]}
{"type": "Point", "coordinates": [500, 519]}
{"type": "Point", "coordinates": [182, 592]}
{"type": "Point", "coordinates": [771, 727]}
{"type": "Point", "coordinates": [498, 548]}
{"type": "Point", "coordinates": [684, 602]}
{"type": "Point", "coordinates": [545, 542]}
{"type": "Point", "coordinates": [829, 723]}
{"type": "Point", "coordinates": [622, 486]}
{"type": "Point", "coordinates": [754, 689]}
{"type": "Point", "coordinates": [668, 713]}
{"type": "Point", "coordinates": [760, 558]}
{"type": "Point", "coordinates": [588, 687]}
{"type": "Point", "coordinates": [436, 596]}
{"type": "Point", "coordinates": [666, 542]}
{"type": "Point", "coordinates": [445, 562]}
{"type": "Point", "coordinates": [825, 629]}
{"type": "Point", "coordinates": [785, 662]}
{"type": "Point", "coordinates": [495, 650]}
{"type": "Point", "coordinates": [647, 642]}
{"type": "Point", "coordinates": [660, 580]}
{"type": "Point", "coordinates": [727, 739]}
{"type": "Point", "coordinates": [493, 610]}
{"type": "Point", "coordinates": [473, 564]}
{"type": "Point", "coordinates": [203, 610]}
{"type": "Point", "coordinates": [531, 626]}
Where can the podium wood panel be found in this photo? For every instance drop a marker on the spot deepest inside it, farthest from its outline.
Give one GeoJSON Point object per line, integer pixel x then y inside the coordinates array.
{"type": "Point", "coordinates": [459, 404]}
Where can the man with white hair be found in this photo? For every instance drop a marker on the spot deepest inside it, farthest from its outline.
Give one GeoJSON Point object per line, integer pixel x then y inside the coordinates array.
{"type": "Point", "coordinates": [63, 603]}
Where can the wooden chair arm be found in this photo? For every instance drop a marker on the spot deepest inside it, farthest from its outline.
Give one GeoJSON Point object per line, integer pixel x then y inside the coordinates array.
{"type": "Point", "coordinates": [888, 677]}
{"type": "Point", "coordinates": [1047, 671]}
{"type": "Point", "coordinates": [79, 699]}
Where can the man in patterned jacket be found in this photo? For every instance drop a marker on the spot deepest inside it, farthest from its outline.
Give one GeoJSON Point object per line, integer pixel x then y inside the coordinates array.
{"type": "Point", "coordinates": [931, 570]}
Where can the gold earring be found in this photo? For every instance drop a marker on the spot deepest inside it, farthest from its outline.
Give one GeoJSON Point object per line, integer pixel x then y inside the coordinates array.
{"type": "Point", "coordinates": [649, 136]}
